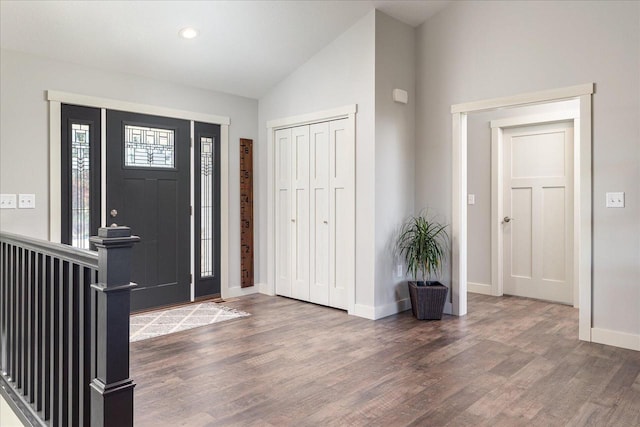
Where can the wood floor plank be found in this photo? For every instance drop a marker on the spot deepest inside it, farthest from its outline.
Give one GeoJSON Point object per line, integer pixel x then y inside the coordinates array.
{"type": "Point", "coordinates": [509, 362]}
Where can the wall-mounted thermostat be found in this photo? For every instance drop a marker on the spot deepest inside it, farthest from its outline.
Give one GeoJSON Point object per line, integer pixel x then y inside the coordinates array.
{"type": "Point", "coordinates": [400, 96]}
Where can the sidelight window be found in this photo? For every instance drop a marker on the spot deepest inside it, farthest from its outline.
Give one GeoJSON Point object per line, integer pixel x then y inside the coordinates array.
{"type": "Point", "coordinates": [206, 206]}
{"type": "Point", "coordinates": [80, 174]}
{"type": "Point", "coordinates": [80, 190]}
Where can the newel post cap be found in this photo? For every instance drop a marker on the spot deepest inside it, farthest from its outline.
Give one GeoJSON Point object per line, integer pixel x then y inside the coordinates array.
{"type": "Point", "coordinates": [114, 236]}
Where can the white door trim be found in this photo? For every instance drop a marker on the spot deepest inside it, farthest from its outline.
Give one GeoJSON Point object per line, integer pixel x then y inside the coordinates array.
{"type": "Point", "coordinates": [540, 97]}
{"type": "Point", "coordinates": [345, 112]}
{"type": "Point", "coordinates": [497, 182]}
{"type": "Point", "coordinates": [57, 98]}
{"type": "Point", "coordinates": [318, 116]}
{"type": "Point", "coordinates": [115, 104]}
{"type": "Point", "coordinates": [582, 193]}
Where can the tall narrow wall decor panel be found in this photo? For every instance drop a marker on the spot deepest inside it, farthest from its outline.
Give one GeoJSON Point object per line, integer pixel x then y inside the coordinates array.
{"type": "Point", "coordinates": [315, 204]}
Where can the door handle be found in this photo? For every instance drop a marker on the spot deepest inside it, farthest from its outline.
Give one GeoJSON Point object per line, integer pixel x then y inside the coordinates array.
{"type": "Point", "coordinates": [507, 219]}
{"type": "Point", "coordinates": [113, 213]}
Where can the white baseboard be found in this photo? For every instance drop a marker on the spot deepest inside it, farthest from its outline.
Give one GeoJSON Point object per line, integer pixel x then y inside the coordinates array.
{"type": "Point", "coordinates": [264, 288]}
{"type": "Point", "coordinates": [365, 311]}
{"type": "Point", "coordinates": [238, 291]}
{"type": "Point", "coordinates": [616, 339]}
{"type": "Point", "coordinates": [380, 311]}
{"type": "Point", "coordinates": [392, 308]}
{"type": "Point", "coordinates": [479, 288]}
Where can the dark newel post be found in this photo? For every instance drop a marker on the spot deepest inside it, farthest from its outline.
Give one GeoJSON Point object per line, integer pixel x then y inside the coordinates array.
{"type": "Point", "coordinates": [111, 388]}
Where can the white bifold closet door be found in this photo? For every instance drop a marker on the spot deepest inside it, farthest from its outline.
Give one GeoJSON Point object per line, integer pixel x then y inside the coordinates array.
{"type": "Point", "coordinates": [300, 213]}
{"type": "Point", "coordinates": [315, 212]}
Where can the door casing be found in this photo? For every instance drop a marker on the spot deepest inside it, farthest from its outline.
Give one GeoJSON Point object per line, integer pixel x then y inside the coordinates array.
{"type": "Point", "coordinates": [582, 250]}
{"type": "Point", "coordinates": [57, 98]}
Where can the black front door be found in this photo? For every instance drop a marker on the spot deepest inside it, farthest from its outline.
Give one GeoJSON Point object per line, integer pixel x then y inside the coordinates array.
{"type": "Point", "coordinates": [148, 176]}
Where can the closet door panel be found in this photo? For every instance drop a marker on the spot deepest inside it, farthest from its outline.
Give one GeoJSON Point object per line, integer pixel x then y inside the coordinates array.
{"type": "Point", "coordinates": [283, 212]}
{"type": "Point", "coordinates": [315, 237]}
{"type": "Point", "coordinates": [319, 236]}
{"type": "Point", "coordinates": [341, 215]}
{"type": "Point", "coordinates": [300, 213]}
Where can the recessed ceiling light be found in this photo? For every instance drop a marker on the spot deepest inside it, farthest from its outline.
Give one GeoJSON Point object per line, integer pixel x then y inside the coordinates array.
{"type": "Point", "coordinates": [188, 33]}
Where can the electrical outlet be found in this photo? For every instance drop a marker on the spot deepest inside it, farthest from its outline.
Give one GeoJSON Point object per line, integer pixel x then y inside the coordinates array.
{"type": "Point", "coordinates": [615, 200]}
{"type": "Point", "coordinates": [399, 272]}
{"type": "Point", "coordinates": [7, 201]}
{"type": "Point", "coordinates": [26, 201]}
{"type": "Point", "coordinates": [471, 199]}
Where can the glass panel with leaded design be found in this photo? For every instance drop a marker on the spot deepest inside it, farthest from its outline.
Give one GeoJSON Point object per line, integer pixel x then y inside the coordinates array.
{"type": "Point", "coordinates": [80, 180]}
{"type": "Point", "coordinates": [206, 202]}
{"type": "Point", "coordinates": [147, 147]}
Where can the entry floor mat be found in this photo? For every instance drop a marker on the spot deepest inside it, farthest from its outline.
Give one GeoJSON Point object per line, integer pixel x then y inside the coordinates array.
{"type": "Point", "coordinates": [162, 322]}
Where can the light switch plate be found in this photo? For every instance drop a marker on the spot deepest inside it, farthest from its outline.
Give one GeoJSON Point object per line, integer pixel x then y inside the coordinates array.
{"type": "Point", "coordinates": [7, 201]}
{"type": "Point", "coordinates": [26, 201]}
{"type": "Point", "coordinates": [615, 200]}
{"type": "Point", "coordinates": [471, 199]}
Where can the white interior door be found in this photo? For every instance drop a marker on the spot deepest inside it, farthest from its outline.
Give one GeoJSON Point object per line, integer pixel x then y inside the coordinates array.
{"type": "Point", "coordinates": [538, 209]}
{"type": "Point", "coordinates": [319, 230]}
{"type": "Point", "coordinates": [282, 142]}
{"type": "Point", "coordinates": [341, 212]}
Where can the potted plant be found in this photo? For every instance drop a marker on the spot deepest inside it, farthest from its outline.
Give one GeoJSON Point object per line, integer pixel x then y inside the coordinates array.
{"type": "Point", "coordinates": [422, 244]}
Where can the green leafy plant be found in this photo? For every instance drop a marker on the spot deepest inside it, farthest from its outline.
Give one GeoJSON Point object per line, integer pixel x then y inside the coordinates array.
{"type": "Point", "coordinates": [423, 243]}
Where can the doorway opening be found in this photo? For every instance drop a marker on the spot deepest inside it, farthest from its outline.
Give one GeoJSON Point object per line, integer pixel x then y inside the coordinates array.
{"type": "Point", "coordinates": [581, 257]}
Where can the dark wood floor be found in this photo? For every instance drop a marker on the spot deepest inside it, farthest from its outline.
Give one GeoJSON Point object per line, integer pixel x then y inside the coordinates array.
{"type": "Point", "coordinates": [510, 362]}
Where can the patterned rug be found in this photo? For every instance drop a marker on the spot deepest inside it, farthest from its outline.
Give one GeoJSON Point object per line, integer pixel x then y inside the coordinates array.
{"type": "Point", "coordinates": [155, 323]}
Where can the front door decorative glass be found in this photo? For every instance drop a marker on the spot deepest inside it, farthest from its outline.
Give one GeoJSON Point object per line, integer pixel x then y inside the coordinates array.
{"type": "Point", "coordinates": [149, 147]}
{"type": "Point", "coordinates": [80, 180]}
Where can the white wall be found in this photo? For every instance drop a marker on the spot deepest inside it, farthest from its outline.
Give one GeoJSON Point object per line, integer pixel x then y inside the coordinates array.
{"type": "Point", "coordinates": [478, 50]}
{"type": "Point", "coordinates": [24, 132]}
{"type": "Point", "coordinates": [394, 159]}
{"type": "Point", "coordinates": [340, 74]}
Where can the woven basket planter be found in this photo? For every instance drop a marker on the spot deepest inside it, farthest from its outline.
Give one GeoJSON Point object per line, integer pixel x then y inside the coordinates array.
{"type": "Point", "coordinates": [427, 299]}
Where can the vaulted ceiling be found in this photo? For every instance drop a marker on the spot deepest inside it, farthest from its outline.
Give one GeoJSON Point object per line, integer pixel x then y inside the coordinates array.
{"type": "Point", "coordinates": [244, 47]}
